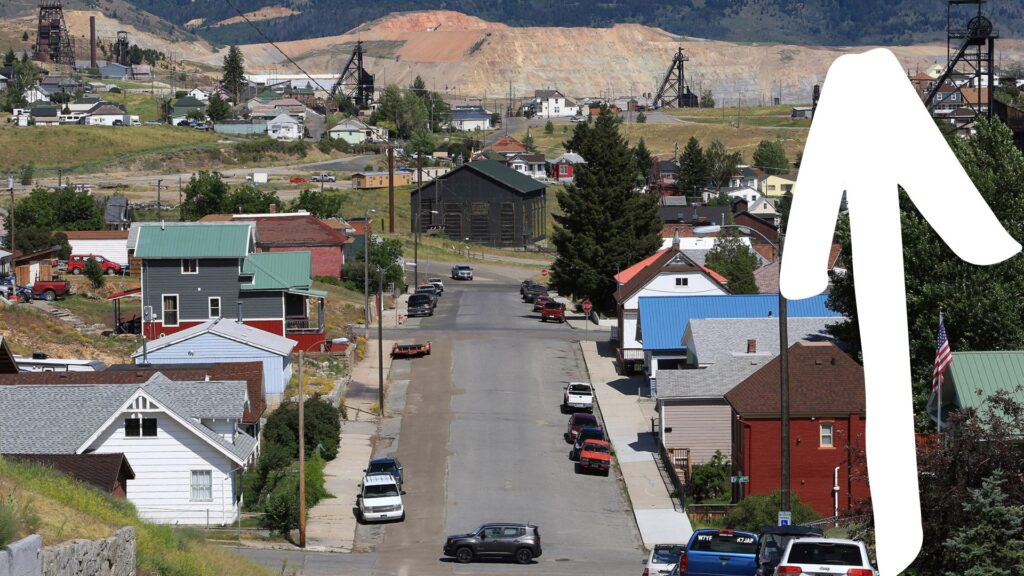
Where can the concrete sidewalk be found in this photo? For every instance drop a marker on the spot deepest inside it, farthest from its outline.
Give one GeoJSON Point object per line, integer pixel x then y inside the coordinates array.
{"type": "Point", "coordinates": [627, 420]}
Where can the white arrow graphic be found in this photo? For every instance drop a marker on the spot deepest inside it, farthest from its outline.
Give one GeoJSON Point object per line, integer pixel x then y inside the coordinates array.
{"type": "Point", "coordinates": [868, 148]}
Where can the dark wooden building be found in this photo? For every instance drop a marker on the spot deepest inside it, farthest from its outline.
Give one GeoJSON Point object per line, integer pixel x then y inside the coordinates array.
{"type": "Point", "coordinates": [484, 201]}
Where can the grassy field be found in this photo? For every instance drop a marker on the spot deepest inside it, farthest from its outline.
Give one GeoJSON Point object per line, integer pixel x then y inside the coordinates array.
{"type": "Point", "coordinates": [71, 147]}
{"type": "Point", "coordinates": [28, 330]}
{"type": "Point", "coordinates": [61, 509]}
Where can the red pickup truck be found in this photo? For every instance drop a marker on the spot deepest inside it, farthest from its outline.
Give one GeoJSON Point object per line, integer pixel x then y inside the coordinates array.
{"type": "Point", "coordinates": [552, 310]}
{"type": "Point", "coordinates": [50, 290]}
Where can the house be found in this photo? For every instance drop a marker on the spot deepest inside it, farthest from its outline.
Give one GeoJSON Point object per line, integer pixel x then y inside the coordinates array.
{"type": "Point", "coordinates": [111, 244]}
{"type": "Point", "coordinates": [225, 340]}
{"type": "Point", "coordinates": [973, 377]}
{"type": "Point", "coordinates": [298, 231]}
{"type": "Point", "coordinates": [372, 180]}
{"type": "Point", "coordinates": [191, 274]}
{"type": "Point", "coordinates": [470, 119]}
{"type": "Point", "coordinates": [484, 201]}
{"type": "Point", "coordinates": [506, 144]}
{"type": "Point", "coordinates": [767, 228]}
{"type": "Point", "coordinates": [8, 362]}
{"type": "Point", "coordinates": [107, 114]}
{"type": "Point", "coordinates": [142, 72]}
{"type": "Point", "coordinates": [775, 186]}
{"type": "Point", "coordinates": [563, 168]}
{"type": "Point", "coordinates": [35, 94]}
{"type": "Point", "coordinates": [662, 322]}
{"type": "Point", "coordinates": [667, 271]}
{"type": "Point", "coordinates": [108, 473]}
{"type": "Point", "coordinates": [553, 104]}
{"type": "Point", "coordinates": [45, 116]}
{"type": "Point", "coordinates": [3, 82]}
{"type": "Point", "coordinates": [352, 131]}
{"type": "Point", "coordinates": [199, 94]}
{"type": "Point", "coordinates": [185, 105]}
{"type": "Point", "coordinates": [826, 428]}
{"type": "Point", "coordinates": [691, 216]}
{"type": "Point", "coordinates": [764, 208]}
{"type": "Point", "coordinates": [533, 165]}
{"type": "Point", "coordinates": [747, 176]}
{"type": "Point", "coordinates": [115, 71]}
{"type": "Point", "coordinates": [181, 439]}
{"type": "Point", "coordinates": [84, 104]}
{"type": "Point", "coordinates": [801, 113]}
{"type": "Point", "coordinates": [284, 127]}
{"type": "Point", "coordinates": [115, 215]}
{"type": "Point", "coordinates": [289, 106]}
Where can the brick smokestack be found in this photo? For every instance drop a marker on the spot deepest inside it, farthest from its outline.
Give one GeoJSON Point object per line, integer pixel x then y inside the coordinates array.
{"type": "Point", "coordinates": [92, 42]}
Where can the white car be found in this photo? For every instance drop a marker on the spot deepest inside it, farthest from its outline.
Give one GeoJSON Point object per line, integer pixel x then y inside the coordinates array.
{"type": "Point", "coordinates": [662, 558]}
{"type": "Point", "coordinates": [825, 556]}
{"type": "Point", "coordinates": [380, 498]}
{"type": "Point", "coordinates": [438, 283]}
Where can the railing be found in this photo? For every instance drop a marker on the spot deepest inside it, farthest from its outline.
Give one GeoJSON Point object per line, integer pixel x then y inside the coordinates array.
{"type": "Point", "coordinates": [708, 513]}
{"type": "Point", "coordinates": [673, 473]}
{"type": "Point", "coordinates": [301, 325]}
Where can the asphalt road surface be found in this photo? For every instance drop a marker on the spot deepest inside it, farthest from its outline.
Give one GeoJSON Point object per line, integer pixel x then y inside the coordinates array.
{"type": "Point", "coordinates": [481, 441]}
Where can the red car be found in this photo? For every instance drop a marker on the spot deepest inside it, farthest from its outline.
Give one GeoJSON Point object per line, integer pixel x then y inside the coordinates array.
{"type": "Point", "coordinates": [298, 180]}
{"type": "Point", "coordinates": [76, 264]}
{"type": "Point", "coordinates": [552, 311]}
{"type": "Point", "coordinates": [577, 422]}
{"type": "Point", "coordinates": [538, 302]}
{"type": "Point", "coordinates": [595, 455]}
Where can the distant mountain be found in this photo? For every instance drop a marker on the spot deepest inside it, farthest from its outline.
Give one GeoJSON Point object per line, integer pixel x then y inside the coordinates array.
{"type": "Point", "coordinates": [818, 22]}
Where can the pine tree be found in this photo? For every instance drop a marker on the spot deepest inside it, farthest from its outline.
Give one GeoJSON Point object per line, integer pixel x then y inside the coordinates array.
{"type": "Point", "coordinates": [605, 225]}
{"type": "Point", "coordinates": [993, 543]}
{"type": "Point", "coordinates": [707, 99]}
{"type": "Point", "coordinates": [419, 87]}
{"type": "Point", "coordinates": [770, 156]}
{"type": "Point", "coordinates": [549, 128]}
{"type": "Point", "coordinates": [234, 72]}
{"type": "Point", "coordinates": [528, 142]}
{"type": "Point", "coordinates": [734, 260]}
{"type": "Point", "coordinates": [643, 160]}
{"type": "Point", "coordinates": [641, 118]}
{"type": "Point", "coordinates": [693, 168]}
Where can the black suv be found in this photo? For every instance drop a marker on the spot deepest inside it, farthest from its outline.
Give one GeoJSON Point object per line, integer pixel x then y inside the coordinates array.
{"type": "Point", "coordinates": [520, 542]}
{"type": "Point", "coordinates": [533, 291]}
{"type": "Point", "coordinates": [386, 466]}
{"type": "Point", "coordinates": [586, 433]}
{"type": "Point", "coordinates": [420, 304]}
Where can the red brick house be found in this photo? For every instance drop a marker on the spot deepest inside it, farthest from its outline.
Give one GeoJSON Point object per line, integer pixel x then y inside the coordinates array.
{"type": "Point", "coordinates": [827, 428]}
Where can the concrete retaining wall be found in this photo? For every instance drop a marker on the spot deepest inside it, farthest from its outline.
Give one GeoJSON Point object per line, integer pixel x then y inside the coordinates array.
{"type": "Point", "coordinates": [114, 556]}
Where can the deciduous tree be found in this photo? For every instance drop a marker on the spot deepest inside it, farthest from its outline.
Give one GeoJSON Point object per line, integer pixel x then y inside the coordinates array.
{"type": "Point", "coordinates": [249, 199]}
{"type": "Point", "coordinates": [771, 157]}
{"type": "Point", "coordinates": [205, 193]}
{"type": "Point", "coordinates": [218, 109]}
{"type": "Point", "coordinates": [733, 259]}
{"type": "Point", "coordinates": [720, 163]}
{"type": "Point", "coordinates": [326, 204]}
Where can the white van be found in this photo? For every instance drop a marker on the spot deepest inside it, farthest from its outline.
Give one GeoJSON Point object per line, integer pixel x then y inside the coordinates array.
{"type": "Point", "coordinates": [380, 498]}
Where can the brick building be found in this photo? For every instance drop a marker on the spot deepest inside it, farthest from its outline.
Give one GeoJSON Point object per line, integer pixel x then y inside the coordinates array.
{"type": "Point", "coordinates": [827, 428]}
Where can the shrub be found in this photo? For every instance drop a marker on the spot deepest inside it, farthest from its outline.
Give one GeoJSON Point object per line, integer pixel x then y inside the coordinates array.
{"type": "Point", "coordinates": [759, 510]}
{"type": "Point", "coordinates": [281, 512]}
{"type": "Point", "coordinates": [641, 118]}
{"type": "Point", "coordinates": [273, 457]}
{"type": "Point", "coordinates": [710, 481]}
{"type": "Point", "coordinates": [27, 174]}
{"type": "Point", "coordinates": [322, 423]}
{"type": "Point", "coordinates": [93, 272]}
{"type": "Point", "coordinates": [549, 128]}
{"type": "Point", "coordinates": [10, 527]}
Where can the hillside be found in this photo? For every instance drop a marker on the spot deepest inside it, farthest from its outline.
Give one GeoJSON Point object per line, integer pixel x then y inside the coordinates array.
{"type": "Point", "coordinates": [838, 22]}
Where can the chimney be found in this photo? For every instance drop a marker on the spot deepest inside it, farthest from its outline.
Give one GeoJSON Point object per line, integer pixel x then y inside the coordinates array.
{"type": "Point", "coordinates": [751, 346]}
{"type": "Point", "coordinates": [239, 311]}
{"type": "Point", "coordinates": [675, 239]}
{"type": "Point", "coordinates": [273, 208]}
{"type": "Point", "coordinates": [92, 42]}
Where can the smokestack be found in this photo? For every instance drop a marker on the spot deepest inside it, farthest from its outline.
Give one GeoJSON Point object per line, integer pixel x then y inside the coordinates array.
{"type": "Point", "coordinates": [92, 42]}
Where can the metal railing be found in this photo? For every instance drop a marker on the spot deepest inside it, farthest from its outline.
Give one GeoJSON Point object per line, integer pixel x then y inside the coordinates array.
{"type": "Point", "coordinates": [301, 325]}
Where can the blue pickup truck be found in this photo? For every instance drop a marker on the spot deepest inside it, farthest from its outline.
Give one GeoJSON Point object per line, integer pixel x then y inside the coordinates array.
{"type": "Point", "coordinates": [719, 553]}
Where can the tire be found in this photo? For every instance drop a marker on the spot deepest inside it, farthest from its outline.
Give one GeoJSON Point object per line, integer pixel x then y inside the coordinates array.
{"type": "Point", "coordinates": [524, 556]}
{"type": "Point", "coordinates": [464, 555]}
{"type": "Point", "coordinates": [576, 468]}
{"type": "Point", "coordinates": [567, 437]}
{"type": "Point", "coordinates": [109, 272]}
{"type": "Point", "coordinates": [49, 295]}
{"type": "Point", "coordinates": [76, 271]}
{"type": "Point", "coordinates": [607, 472]}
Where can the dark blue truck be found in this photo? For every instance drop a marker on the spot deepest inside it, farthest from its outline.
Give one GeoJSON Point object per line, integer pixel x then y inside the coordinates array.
{"type": "Point", "coordinates": [719, 553]}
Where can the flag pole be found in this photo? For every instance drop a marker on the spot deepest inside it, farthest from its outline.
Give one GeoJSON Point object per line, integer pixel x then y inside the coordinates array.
{"type": "Point", "coordinates": [938, 391]}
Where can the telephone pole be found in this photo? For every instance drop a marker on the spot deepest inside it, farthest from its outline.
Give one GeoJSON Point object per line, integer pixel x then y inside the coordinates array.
{"type": "Point", "coordinates": [158, 183]}
{"type": "Point", "coordinates": [302, 457]}
{"type": "Point", "coordinates": [391, 188]}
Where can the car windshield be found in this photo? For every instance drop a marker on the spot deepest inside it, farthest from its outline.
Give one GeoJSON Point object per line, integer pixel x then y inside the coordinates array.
{"type": "Point", "coordinates": [825, 553]}
{"type": "Point", "coordinates": [462, 267]}
{"type": "Point", "coordinates": [381, 467]}
{"type": "Point", "coordinates": [380, 491]}
{"type": "Point", "coordinates": [584, 420]}
{"type": "Point", "coordinates": [725, 543]}
{"type": "Point", "coordinates": [419, 299]}
{"type": "Point", "coordinates": [541, 287]}
{"type": "Point", "coordinates": [592, 447]}
{"type": "Point", "coordinates": [666, 554]}
{"type": "Point", "coordinates": [582, 390]}
{"type": "Point", "coordinates": [591, 434]}
{"type": "Point", "coordinates": [438, 280]}
{"type": "Point", "coordinates": [552, 305]}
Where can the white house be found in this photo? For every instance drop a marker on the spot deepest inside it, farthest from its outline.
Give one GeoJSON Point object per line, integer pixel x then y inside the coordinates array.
{"type": "Point", "coordinates": [199, 94]}
{"type": "Point", "coordinates": [352, 131]}
{"type": "Point", "coordinates": [182, 439]}
{"type": "Point", "coordinates": [3, 82]}
{"type": "Point", "coordinates": [284, 127]}
{"type": "Point", "coordinates": [111, 244]}
{"type": "Point", "coordinates": [35, 94]}
{"type": "Point", "coordinates": [471, 118]}
{"type": "Point", "coordinates": [553, 104]}
{"type": "Point", "coordinates": [742, 193]}
{"type": "Point", "coordinates": [668, 272]}
{"type": "Point", "coordinates": [107, 114]}
{"type": "Point", "coordinates": [225, 340]}
{"type": "Point", "coordinates": [533, 165]}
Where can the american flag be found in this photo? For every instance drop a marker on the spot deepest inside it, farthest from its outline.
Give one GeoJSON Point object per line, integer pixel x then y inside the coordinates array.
{"type": "Point", "coordinates": [943, 356]}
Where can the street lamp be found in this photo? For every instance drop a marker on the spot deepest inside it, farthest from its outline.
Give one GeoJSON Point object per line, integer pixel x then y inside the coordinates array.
{"type": "Point", "coordinates": [416, 245]}
{"type": "Point", "coordinates": [783, 358]}
{"type": "Point", "coordinates": [366, 273]}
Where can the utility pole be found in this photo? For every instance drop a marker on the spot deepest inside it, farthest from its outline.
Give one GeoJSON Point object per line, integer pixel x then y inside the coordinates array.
{"type": "Point", "coordinates": [60, 177]}
{"type": "Point", "coordinates": [380, 342]}
{"type": "Point", "coordinates": [419, 209]}
{"type": "Point", "coordinates": [302, 456]}
{"type": "Point", "coordinates": [181, 218]}
{"type": "Point", "coordinates": [366, 273]}
{"type": "Point", "coordinates": [391, 188]}
{"type": "Point", "coordinates": [10, 188]}
{"type": "Point", "coordinates": [158, 183]}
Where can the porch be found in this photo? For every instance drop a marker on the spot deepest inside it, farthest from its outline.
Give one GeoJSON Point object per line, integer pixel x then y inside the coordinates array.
{"type": "Point", "coordinates": [304, 318]}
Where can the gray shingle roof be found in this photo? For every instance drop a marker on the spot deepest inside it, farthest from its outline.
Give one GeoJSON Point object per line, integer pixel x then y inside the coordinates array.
{"type": "Point", "coordinates": [230, 329]}
{"type": "Point", "coordinates": [712, 381]}
{"type": "Point", "coordinates": [713, 338]}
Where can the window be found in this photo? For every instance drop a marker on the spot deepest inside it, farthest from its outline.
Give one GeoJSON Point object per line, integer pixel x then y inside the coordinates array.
{"type": "Point", "coordinates": [826, 435]}
{"type": "Point", "coordinates": [189, 266]}
{"type": "Point", "coordinates": [215, 307]}
{"type": "Point", "coordinates": [140, 427]}
{"type": "Point", "coordinates": [170, 309]}
{"type": "Point", "coordinates": [202, 485]}
{"type": "Point", "coordinates": [563, 169]}
{"type": "Point", "coordinates": [682, 281]}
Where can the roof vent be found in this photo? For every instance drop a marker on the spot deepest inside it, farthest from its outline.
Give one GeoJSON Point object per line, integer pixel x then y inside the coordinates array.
{"type": "Point", "coordinates": [751, 346]}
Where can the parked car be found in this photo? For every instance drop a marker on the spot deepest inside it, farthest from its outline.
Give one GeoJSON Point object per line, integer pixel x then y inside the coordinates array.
{"type": "Point", "coordinates": [588, 433]}
{"type": "Point", "coordinates": [578, 396]}
{"type": "Point", "coordinates": [553, 311]}
{"type": "Point", "coordinates": [76, 264]}
{"type": "Point", "coordinates": [50, 290]}
{"type": "Point", "coordinates": [298, 180]}
{"type": "Point", "coordinates": [826, 556]}
{"type": "Point", "coordinates": [386, 466]}
{"type": "Point", "coordinates": [533, 291]}
{"type": "Point", "coordinates": [772, 543]}
{"type": "Point", "coordinates": [577, 118]}
{"type": "Point", "coordinates": [662, 558]}
{"type": "Point", "coordinates": [462, 272]}
{"type": "Point", "coordinates": [539, 301]}
{"type": "Point", "coordinates": [420, 305]}
{"type": "Point", "coordinates": [380, 498]}
{"type": "Point", "coordinates": [519, 542]}
{"type": "Point", "coordinates": [577, 422]}
{"type": "Point", "coordinates": [429, 290]}
{"type": "Point", "coordinates": [595, 455]}
{"type": "Point", "coordinates": [719, 553]}
{"type": "Point", "coordinates": [438, 283]}
{"type": "Point", "coordinates": [324, 177]}
{"type": "Point", "coordinates": [524, 285]}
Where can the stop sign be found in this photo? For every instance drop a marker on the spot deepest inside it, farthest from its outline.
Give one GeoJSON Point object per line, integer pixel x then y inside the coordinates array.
{"type": "Point", "coordinates": [587, 306]}
{"type": "Point", "coordinates": [544, 272]}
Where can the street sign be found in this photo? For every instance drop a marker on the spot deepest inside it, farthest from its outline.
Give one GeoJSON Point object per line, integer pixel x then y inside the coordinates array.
{"type": "Point", "coordinates": [739, 479]}
{"type": "Point", "coordinates": [587, 306]}
{"type": "Point", "coordinates": [544, 272]}
{"type": "Point", "coordinates": [785, 518]}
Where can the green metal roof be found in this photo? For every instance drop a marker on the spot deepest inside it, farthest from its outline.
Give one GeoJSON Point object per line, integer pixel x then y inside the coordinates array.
{"type": "Point", "coordinates": [987, 372]}
{"type": "Point", "coordinates": [278, 270]}
{"type": "Point", "coordinates": [507, 176]}
{"type": "Point", "coordinates": [193, 241]}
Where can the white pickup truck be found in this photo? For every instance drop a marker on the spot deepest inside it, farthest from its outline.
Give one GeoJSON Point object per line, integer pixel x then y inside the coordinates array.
{"type": "Point", "coordinates": [578, 396]}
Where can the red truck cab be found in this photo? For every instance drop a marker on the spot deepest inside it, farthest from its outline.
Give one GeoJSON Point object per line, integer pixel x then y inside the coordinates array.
{"type": "Point", "coordinates": [50, 290]}
{"type": "Point", "coordinates": [596, 455]}
{"type": "Point", "coordinates": [76, 264]}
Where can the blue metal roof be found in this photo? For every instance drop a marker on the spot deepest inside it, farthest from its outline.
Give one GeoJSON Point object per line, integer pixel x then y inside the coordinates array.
{"type": "Point", "coordinates": [663, 319]}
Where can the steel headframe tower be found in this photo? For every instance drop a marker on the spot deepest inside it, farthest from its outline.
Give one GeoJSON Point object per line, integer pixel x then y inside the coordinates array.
{"type": "Point", "coordinates": [970, 52]}
{"type": "Point", "coordinates": [53, 41]}
{"type": "Point", "coordinates": [355, 82]}
{"type": "Point", "coordinates": [121, 49]}
{"type": "Point", "coordinates": [674, 90]}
